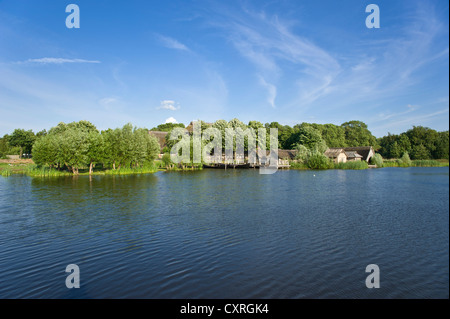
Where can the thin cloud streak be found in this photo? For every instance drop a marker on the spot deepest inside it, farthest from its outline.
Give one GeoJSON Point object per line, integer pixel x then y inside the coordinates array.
{"type": "Point", "coordinates": [271, 91]}
{"type": "Point", "coordinates": [171, 43]}
{"type": "Point", "coordinates": [55, 61]}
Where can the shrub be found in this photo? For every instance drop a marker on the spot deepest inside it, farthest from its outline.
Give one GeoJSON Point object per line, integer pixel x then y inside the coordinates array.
{"type": "Point", "coordinates": [377, 159]}
{"type": "Point", "coordinates": [302, 154]}
{"type": "Point", "coordinates": [166, 161]}
{"type": "Point", "coordinates": [404, 161]}
{"type": "Point", "coordinates": [318, 161]}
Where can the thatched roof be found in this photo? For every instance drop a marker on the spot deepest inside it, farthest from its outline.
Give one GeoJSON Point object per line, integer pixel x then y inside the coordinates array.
{"type": "Point", "coordinates": [366, 152]}
{"type": "Point", "coordinates": [287, 154]}
{"type": "Point", "coordinates": [333, 152]}
{"type": "Point", "coordinates": [160, 136]}
{"type": "Point", "coordinates": [352, 154]}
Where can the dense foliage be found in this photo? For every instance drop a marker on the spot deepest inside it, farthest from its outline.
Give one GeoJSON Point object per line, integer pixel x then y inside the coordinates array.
{"type": "Point", "coordinates": [79, 144]}
{"type": "Point", "coordinates": [167, 127]}
{"type": "Point", "coordinates": [22, 139]}
{"type": "Point", "coordinates": [421, 143]}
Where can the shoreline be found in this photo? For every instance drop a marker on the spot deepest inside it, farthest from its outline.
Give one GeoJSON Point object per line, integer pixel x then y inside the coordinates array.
{"type": "Point", "coordinates": [27, 167]}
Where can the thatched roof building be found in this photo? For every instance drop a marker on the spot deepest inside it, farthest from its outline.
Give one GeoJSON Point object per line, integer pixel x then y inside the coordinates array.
{"type": "Point", "coordinates": [160, 136]}
{"type": "Point", "coordinates": [287, 154]}
{"type": "Point", "coordinates": [353, 156]}
{"type": "Point", "coordinates": [363, 153]}
{"type": "Point", "coordinates": [338, 155]}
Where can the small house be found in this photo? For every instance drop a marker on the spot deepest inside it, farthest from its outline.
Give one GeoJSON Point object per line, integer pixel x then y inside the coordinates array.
{"type": "Point", "coordinates": [345, 154]}
{"type": "Point", "coordinates": [338, 155]}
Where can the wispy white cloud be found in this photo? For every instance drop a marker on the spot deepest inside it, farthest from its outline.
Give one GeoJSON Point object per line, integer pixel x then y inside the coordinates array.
{"type": "Point", "coordinates": [270, 45]}
{"type": "Point", "coordinates": [386, 116]}
{"type": "Point", "coordinates": [171, 120]}
{"type": "Point", "coordinates": [55, 61]}
{"type": "Point", "coordinates": [107, 100]}
{"type": "Point", "coordinates": [171, 43]}
{"type": "Point", "coordinates": [271, 91]}
{"type": "Point", "coordinates": [169, 105]}
{"type": "Point", "coordinates": [414, 120]}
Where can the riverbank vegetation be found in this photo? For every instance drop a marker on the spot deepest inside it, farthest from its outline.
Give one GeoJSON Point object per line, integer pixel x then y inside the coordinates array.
{"type": "Point", "coordinates": [78, 148]}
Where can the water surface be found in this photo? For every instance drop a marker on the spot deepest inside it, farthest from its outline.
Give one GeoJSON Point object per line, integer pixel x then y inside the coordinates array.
{"type": "Point", "coordinates": [227, 234]}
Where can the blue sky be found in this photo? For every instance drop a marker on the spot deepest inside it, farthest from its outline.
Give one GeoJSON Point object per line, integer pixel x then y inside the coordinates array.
{"type": "Point", "coordinates": [291, 61]}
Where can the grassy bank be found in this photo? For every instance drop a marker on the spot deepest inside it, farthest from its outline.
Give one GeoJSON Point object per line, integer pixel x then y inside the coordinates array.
{"type": "Point", "coordinates": [416, 163]}
{"type": "Point", "coordinates": [387, 163]}
{"type": "Point", "coordinates": [31, 169]}
{"type": "Point", "coordinates": [352, 165]}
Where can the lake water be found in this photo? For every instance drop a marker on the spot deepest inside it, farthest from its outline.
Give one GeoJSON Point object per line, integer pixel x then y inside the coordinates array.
{"type": "Point", "coordinates": [227, 234]}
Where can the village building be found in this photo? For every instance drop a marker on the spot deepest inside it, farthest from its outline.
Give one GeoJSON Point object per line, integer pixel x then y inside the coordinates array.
{"type": "Point", "coordinates": [161, 137]}
{"type": "Point", "coordinates": [347, 154]}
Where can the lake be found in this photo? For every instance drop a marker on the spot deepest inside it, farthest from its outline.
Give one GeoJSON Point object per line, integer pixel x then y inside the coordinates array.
{"type": "Point", "coordinates": [227, 234]}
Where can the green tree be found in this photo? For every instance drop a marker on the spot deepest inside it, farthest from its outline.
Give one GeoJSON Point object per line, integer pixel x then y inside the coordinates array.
{"type": "Point", "coordinates": [221, 125]}
{"type": "Point", "coordinates": [73, 149]}
{"type": "Point", "coordinates": [395, 150]}
{"type": "Point", "coordinates": [111, 140]}
{"type": "Point", "coordinates": [96, 149]}
{"type": "Point", "coordinates": [424, 136]}
{"type": "Point", "coordinates": [22, 139]}
{"type": "Point", "coordinates": [153, 147]}
{"type": "Point", "coordinates": [41, 133]}
{"type": "Point", "coordinates": [4, 146]}
{"type": "Point", "coordinates": [167, 127]}
{"type": "Point", "coordinates": [46, 151]}
{"type": "Point", "coordinates": [58, 129]}
{"type": "Point", "coordinates": [442, 146]}
{"type": "Point", "coordinates": [333, 135]}
{"type": "Point", "coordinates": [309, 137]}
{"type": "Point", "coordinates": [358, 134]}
{"type": "Point", "coordinates": [420, 152]}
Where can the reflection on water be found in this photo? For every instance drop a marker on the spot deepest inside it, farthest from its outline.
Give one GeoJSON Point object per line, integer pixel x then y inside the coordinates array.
{"type": "Point", "coordinates": [227, 234]}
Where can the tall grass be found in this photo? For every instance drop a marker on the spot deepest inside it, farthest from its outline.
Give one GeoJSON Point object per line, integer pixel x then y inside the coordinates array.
{"type": "Point", "coordinates": [43, 171]}
{"type": "Point", "coordinates": [415, 163]}
{"type": "Point", "coordinates": [5, 172]}
{"type": "Point", "coordinates": [357, 165]}
{"type": "Point", "coordinates": [146, 169]}
{"type": "Point", "coordinates": [428, 163]}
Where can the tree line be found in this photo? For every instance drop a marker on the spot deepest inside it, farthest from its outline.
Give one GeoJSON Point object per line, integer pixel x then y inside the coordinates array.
{"type": "Point", "coordinates": [420, 143]}
{"type": "Point", "coordinates": [80, 145]}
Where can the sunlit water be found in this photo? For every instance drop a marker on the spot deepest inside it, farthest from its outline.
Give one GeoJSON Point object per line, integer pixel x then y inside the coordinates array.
{"type": "Point", "coordinates": [227, 234]}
